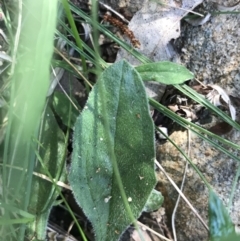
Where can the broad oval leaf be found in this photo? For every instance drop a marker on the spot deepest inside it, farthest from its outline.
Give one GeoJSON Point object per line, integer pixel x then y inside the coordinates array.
{"type": "Point", "coordinates": [165, 72]}
{"type": "Point", "coordinates": [52, 151]}
{"type": "Point", "coordinates": [220, 224]}
{"type": "Point", "coordinates": [121, 91]}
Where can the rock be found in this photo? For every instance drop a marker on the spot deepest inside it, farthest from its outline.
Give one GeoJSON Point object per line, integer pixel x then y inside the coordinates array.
{"type": "Point", "coordinates": [212, 53]}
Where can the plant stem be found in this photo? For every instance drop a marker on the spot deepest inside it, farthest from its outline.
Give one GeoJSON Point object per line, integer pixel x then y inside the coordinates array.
{"type": "Point", "coordinates": [75, 31]}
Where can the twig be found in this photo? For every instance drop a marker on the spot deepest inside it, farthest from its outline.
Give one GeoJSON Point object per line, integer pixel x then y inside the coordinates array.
{"type": "Point", "coordinates": [182, 195]}
{"type": "Point", "coordinates": [58, 52]}
{"type": "Point", "coordinates": [181, 188]}
{"type": "Point", "coordinates": [152, 231]}
{"type": "Point", "coordinates": [200, 83]}
{"type": "Point", "coordinates": [53, 230]}
{"type": "Point", "coordinates": [59, 183]}
{"type": "Point", "coordinates": [115, 12]}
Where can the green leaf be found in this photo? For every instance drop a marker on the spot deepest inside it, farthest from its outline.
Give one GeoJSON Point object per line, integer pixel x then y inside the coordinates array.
{"type": "Point", "coordinates": [15, 221]}
{"type": "Point", "coordinates": [220, 224]}
{"type": "Point", "coordinates": [16, 211]}
{"type": "Point", "coordinates": [52, 153]}
{"type": "Point", "coordinates": [121, 91]}
{"type": "Point", "coordinates": [230, 237]}
{"type": "Point", "coordinates": [28, 83]}
{"type": "Point", "coordinates": [65, 109]}
{"type": "Point", "coordinates": [164, 72]}
{"type": "Point", "coordinates": [154, 201]}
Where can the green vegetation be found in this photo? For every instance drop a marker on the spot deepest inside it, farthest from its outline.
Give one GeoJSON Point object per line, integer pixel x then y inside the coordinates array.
{"type": "Point", "coordinates": [112, 172]}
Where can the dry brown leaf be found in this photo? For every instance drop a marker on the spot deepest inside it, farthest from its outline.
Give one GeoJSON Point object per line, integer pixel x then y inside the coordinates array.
{"type": "Point", "coordinates": [154, 26]}
{"type": "Point", "coordinates": [136, 237]}
{"type": "Point", "coordinates": [216, 95]}
{"type": "Point", "coordinates": [221, 128]}
{"type": "Point", "coordinates": [173, 108]}
{"type": "Point", "coordinates": [188, 113]}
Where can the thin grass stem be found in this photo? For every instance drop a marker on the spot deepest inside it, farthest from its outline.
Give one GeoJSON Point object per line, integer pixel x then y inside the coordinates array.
{"type": "Point", "coordinates": [74, 30]}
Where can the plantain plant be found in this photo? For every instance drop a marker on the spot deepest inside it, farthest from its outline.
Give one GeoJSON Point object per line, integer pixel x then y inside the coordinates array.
{"type": "Point", "coordinates": [112, 172]}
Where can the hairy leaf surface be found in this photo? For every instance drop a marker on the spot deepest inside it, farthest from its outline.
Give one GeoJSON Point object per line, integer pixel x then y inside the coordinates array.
{"type": "Point", "coordinates": [165, 72]}
{"type": "Point", "coordinates": [220, 224]}
{"type": "Point", "coordinates": [119, 99]}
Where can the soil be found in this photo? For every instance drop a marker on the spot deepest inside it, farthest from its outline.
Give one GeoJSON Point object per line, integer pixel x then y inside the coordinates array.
{"type": "Point", "coordinates": [211, 52]}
